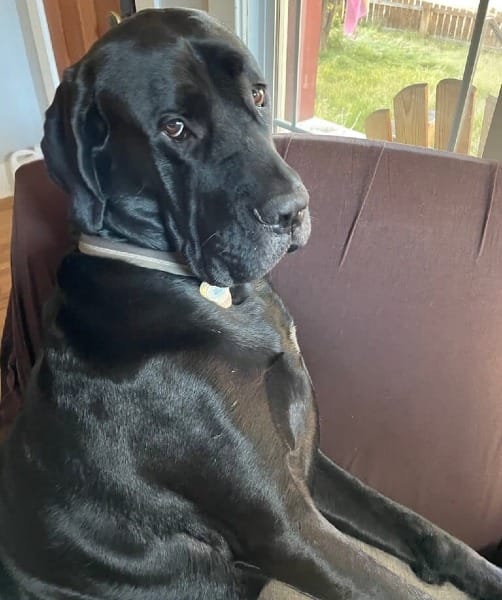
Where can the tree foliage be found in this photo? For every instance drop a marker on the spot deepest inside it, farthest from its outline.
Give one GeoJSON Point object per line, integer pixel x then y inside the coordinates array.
{"type": "Point", "coordinates": [329, 10]}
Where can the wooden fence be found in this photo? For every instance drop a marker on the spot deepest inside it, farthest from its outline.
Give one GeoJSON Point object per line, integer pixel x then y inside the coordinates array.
{"type": "Point", "coordinates": [434, 20]}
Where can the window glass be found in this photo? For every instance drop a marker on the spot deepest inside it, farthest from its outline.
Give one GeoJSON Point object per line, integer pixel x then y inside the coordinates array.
{"type": "Point", "coordinates": [386, 69]}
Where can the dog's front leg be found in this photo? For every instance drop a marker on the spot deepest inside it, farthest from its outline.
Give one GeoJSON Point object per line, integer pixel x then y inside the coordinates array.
{"type": "Point", "coordinates": [433, 554]}
{"type": "Point", "coordinates": [308, 553]}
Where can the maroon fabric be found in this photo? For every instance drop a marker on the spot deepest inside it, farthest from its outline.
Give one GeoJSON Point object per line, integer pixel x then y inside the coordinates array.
{"type": "Point", "coordinates": [398, 302]}
{"type": "Point", "coordinates": [39, 241]}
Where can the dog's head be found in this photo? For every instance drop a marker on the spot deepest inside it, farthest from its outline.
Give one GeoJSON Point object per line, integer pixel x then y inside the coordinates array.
{"type": "Point", "coordinates": [161, 134]}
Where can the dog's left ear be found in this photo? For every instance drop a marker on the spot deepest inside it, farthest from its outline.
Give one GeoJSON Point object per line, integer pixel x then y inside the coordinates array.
{"type": "Point", "coordinates": [74, 147]}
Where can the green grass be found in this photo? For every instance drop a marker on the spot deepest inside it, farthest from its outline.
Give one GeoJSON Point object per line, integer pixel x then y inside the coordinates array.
{"type": "Point", "coordinates": [358, 76]}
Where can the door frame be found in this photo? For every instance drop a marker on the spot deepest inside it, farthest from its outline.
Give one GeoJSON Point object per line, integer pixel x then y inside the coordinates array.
{"type": "Point", "coordinates": [43, 61]}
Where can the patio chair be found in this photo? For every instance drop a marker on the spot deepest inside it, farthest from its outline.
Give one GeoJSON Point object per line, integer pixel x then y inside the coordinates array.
{"type": "Point", "coordinates": [415, 124]}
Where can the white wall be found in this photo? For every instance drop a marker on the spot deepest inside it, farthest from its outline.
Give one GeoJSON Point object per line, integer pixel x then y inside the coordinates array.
{"type": "Point", "coordinates": [224, 10]}
{"type": "Point", "coordinates": [199, 4]}
{"type": "Point", "coordinates": [20, 110]}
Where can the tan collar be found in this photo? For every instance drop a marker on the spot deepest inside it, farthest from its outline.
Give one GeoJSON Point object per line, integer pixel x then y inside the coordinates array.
{"type": "Point", "coordinates": [169, 262]}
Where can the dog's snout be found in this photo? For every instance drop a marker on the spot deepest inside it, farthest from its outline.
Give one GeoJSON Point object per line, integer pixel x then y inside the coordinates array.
{"type": "Point", "coordinates": [284, 213]}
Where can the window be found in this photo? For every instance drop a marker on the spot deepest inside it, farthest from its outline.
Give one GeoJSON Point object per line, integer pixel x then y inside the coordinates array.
{"type": "Point", "coordinates": [345, 67]}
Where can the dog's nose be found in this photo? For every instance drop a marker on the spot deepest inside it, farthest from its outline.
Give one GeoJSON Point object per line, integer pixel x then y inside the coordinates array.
{"type": "Point", "coordinates": [284, 213]}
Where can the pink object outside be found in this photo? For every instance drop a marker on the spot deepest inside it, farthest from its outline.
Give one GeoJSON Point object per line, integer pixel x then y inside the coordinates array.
{"type": "Point", "coordinates": [356, 9]}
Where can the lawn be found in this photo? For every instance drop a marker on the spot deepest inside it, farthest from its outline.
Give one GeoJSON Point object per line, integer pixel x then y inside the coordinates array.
{"type": "Point", "coordinates": [358, 76]}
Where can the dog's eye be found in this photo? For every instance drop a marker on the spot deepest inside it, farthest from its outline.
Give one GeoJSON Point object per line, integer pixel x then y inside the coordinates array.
{"type": "Point", "coordinates": [176, 129]}
{"type": "Point", "coordinates": [259, 97]}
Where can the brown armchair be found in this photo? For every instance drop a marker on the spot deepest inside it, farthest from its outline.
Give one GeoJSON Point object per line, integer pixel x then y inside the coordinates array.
{"type": "Point", "coordinates": [398, 304]}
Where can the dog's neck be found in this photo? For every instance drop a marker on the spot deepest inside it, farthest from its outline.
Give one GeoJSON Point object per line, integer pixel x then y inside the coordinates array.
{"type": "Point", "coordinates": [168, 262]}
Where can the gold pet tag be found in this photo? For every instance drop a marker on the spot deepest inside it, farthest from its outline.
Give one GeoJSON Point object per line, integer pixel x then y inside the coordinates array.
{"type": "Point", "coordinates": [219, 295]}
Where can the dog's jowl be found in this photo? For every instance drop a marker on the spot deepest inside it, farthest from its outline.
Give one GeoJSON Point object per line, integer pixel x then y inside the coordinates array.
{"type": "Point", "coordinates": [168, 447]}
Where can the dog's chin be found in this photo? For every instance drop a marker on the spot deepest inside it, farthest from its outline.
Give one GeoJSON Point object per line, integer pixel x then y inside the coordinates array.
{"type": "Point", "coordinates": [226, 264]}
{"type": "Point", "coordinates": [228, 271]}
{"type": "Point", "coordinates": [223, 275]}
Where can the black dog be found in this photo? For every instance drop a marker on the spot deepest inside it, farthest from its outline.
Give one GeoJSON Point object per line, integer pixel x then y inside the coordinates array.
{"type": "Point", "coordinates": [168, 446]}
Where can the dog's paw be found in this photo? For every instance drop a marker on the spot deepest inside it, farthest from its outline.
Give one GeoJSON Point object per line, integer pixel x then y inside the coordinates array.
{"type": "Point", "coordinates": [431, 559]}
{"type": "Point", "coordinates": [490, 583]}
{"type": "Point", "coordinates": [473, 575]}
{"type": "Point", "coordinates": [440, 558]}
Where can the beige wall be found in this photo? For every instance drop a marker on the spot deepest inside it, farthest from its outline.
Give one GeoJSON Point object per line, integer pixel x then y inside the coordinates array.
{"type": "Point", "coordinates": [223, 10]}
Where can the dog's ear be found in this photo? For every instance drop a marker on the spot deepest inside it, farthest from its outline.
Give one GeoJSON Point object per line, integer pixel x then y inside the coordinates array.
{"type": "Point", "coordinates": [74, 147]}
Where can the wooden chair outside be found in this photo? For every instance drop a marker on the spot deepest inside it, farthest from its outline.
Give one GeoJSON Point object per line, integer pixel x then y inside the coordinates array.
{"type": "Point", "coordinates": [491, 102]}
{"type": "Point", "coordinates": [415, 124]}
{"type": "Point", "coordinates": [492, 143]}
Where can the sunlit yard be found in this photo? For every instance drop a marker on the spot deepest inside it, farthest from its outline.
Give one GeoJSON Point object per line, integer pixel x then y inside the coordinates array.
{"type": "Point", "coordinates": [358, 76]}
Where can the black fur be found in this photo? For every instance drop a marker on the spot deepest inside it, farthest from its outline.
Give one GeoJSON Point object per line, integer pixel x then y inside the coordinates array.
{"type": "Point", "coordinates": [168, 447]}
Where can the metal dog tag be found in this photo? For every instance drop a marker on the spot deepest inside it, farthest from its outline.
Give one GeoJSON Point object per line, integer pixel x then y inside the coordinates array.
{"type": "Point", "coordinates": [219, 295]}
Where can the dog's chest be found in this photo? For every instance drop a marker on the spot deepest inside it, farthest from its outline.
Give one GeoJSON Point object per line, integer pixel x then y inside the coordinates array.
{"type": "Point", "coordinates": [282, 380]}
{"type": "Point", "coordinates": [198, 382]}
{"type": "Point", "coordinates": [290, 397]}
